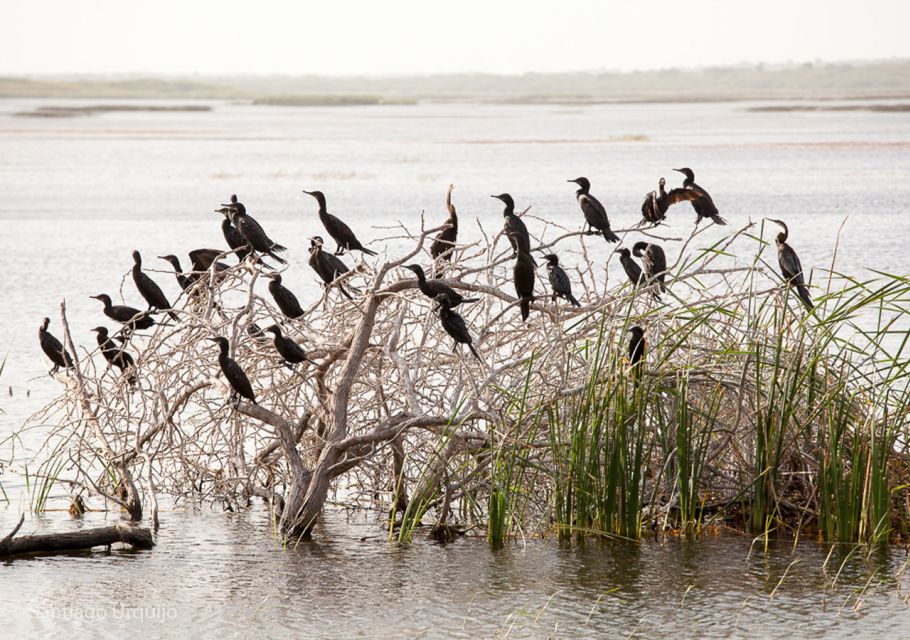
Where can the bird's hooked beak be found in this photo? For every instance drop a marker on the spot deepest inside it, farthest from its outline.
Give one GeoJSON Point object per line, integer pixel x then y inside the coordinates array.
{"type": "Point", "coordinates": [212, 339]}
{"type": "Point", "coordinates": [95, 297]}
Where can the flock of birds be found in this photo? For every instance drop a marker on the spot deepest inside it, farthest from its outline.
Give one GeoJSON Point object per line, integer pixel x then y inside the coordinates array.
{"type": "Point", "coordinates": [249, 241]}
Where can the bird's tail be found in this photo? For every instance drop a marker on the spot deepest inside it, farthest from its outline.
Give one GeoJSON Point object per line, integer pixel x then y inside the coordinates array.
{"type": "Point", "coordinates": [173, 316]}
{"type": "Point", "coordinates": [277, 259]}
{"type": "Point", "coordinates": [573, 300]}
{"type": "Point", "coordinates": [609, 236]}
{"type": "Point", "coordinates": [473, 350]}
{"type": "Point", "coordinates": [345, 292]}
{"type": "Point", "coordinates": [466, 300]}
{"type": "Point", "coordinates": [717, 219]}
{"type": "Point", "coordinates": [277, 247]}
{"type": "Point", "coordinates": [525, 307]}
{"type": "Point", "coordinates": [369, 252]}
{"type": "Point", "coordinates": [804, 296]}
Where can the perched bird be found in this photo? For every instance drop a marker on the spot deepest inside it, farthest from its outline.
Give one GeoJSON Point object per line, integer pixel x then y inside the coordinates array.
{"type": "Point", "coordinates": [234, 238]}
{"type": "Point", "coordinates": [130, 317]}
{"type": "Point", "coordinates": [523, 276]}
{"type": "Point", "coordinates": [700, 199]}
{"type": "Point", "coordinates": [287, 348]}
{"type": "Point", "coordinates": [654, 261]}
{"type": "Point", "coordinates": [562, 288]}
{"type": "Point", "coordinates": [654, 208]}
{"type": "Point", "coordinates": [53, 349]}
{"type": "Point", "coordinates": [444, 243]}
{"type": "Point", "coordinates": [253, 232]}
{"type": "Point", "coordinates": [149, 289]}
{"type": "Point", "coordinates": [284, 298]}
{"type": "Point", "coordinates": [454, 323]}
{"type": "Point", "coordinates": [434, 287]}
{"type": "Point", "coordinates": [595, 213]}
{"type": "Point", "coordinates": [637, 348]}
{"type": "Point", "coordinates": [202, 260]}
{"type": "Point", "coordinates": [240, 384]}
{"type": "Point", "coordinates": [633, 271]}
{"type": "Point", "coordinates": [113, 354]}
{"type": "Point", "coordinates": [790, 266]}
{"type": "Point", "coordinates": [340, 232]}
{"type": "Point", "coordinates": [183, 280]}
{"type": "Point", "coordinates": [514, 227]}
{"type": "Point", "coordinates": [254, 331]}
{"type": "Point", "coordinates": [327, 266]}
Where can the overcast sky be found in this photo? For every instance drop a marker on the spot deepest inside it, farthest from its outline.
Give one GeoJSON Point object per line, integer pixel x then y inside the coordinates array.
{"type": "Point", "coordinates": [335, 37]}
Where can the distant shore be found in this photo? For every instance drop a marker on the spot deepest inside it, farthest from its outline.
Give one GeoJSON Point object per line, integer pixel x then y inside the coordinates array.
{"type": "Point", "coordinates": [888, 80]}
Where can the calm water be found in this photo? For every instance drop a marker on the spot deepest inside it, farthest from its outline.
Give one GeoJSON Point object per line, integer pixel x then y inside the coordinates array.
{"type": "Point", "coordinates": [79, 194]}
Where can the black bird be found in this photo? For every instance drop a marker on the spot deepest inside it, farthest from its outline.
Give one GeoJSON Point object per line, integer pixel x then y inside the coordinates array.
{"type": "Point", "coordinates": [790, 266]}
{"type": "Point", "coordinates": [340, 232]}
{"type": "Point", "coordinates": [654, 261]}
{"type": "Point", "coordinates": [253, 232]}
{"type": "Point", "coordinates": [287, 348]}
{"type": "Point", "coordinates": [701, 201]}
{"type": "Point", "coordinates": [234, 238]}
{"type": "Point", "coordinates": [633, 271]}
{"type": "Point", "coordinates": [454, 323]}
{"type": "Point", "coordinates": [202, 260]}
{"type": "Point", "coordinates": [523, 276]}
{"type": "Point", "coordinates": [595, 213]}
{"type": "Point", "coordinates": [129, 316]}
{"type": "Point", "coordinates": [53, 349]}
{"type": "Point", "coordinates": [327, 266]}
{"type": "Point", "coordinates": [514, 227]}
{"type": "Point", "coordinates": [637, 349]}
{"type": "Point", "coordinates": [149, 289]}
{"type": "Point", "coordinates": [434, 287]}
{"type": "Point", "coordinates": [240, 384]}
{"type": "Point", "coordinates": [254, 331]}
{"type": "Point", "coordinates": [559, 280]}
{"type": "Point", "coordinates": [283, 296]}
{"type": "Point", "coordinates": [444, 243]}
{"type": "Point", "coordinates": [183, 280]}
{"type": "Point", "coordinates": [654, 208]}
{"type": "Point", "coordinates": [113, 354]}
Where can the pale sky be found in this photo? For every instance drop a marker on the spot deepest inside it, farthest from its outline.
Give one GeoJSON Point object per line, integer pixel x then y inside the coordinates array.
{"type": "Point", "coordinates": [343, 37]}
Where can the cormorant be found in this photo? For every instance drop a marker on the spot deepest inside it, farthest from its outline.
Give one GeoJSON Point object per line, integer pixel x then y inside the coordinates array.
{"type": "Point", "coordinates": [444, 244]}
{"type": "Point", "coordinates": [790, 266]}
{"type": "Point", "coordinates": [636, 351]}
{"type": "Point", "coordinates": [202, 260]}
{"type": "Point", "coordinates": [700, 199]}
{"type": "Point", "coordinates": [240, 384]}
{"type": "Point", "coordinates": [434, 287]}
{"type": "Point", "coordinates": [129, 316]}
{"type": "Point", "coordinates": [183, 280]}
{"type": "Point", "coordinates": [253, 232]}
{"type": "Point", "coordinates": [653, 260]}
{"type": "Point", "coordinates": [454, 323]}
{"type": "Point", "coordinates": [654, 208]}
{"type": "Point", "coordinates": [559, 280]}
{"type": "Point", "coordinates": [53, 349]}
{"type": "Point", "coordinates": [149, 289]}
{"type": "Point", "coordinates": [283, 296]}
{"type": "Point", "coordinates": [514, 227]}
{"type": "Point", "coordinates": [595, 213]}
{"type": "Point", "coordinates": [287, 348]}
{"type": "Point", "coordinates": [254, 331]}
{"type": "Point", "coordinates": [629, 266]}
{"type": "Point", "coordinates": [234, 238]}
{"type": "Point", "coordinates": [327, 266]}
{"type": "Point", "coordinates": [523, 276]}
{"type": "Point", "coordinates": [114, 355]}
{"type": "Point", "coordinates": [340, 232]}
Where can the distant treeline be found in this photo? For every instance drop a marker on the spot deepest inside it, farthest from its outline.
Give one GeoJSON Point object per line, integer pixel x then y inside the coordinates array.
{"type": "Point", "coordinates": [884, 79]}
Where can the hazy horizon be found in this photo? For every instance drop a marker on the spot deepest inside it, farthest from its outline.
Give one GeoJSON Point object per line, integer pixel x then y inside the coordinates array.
{"type": "Point", "coordinates": [360, 38]}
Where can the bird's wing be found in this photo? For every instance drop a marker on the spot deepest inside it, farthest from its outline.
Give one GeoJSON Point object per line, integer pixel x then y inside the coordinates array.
{"type": "Point", "coordinates": [790, 265]}
{"type": "Point", "coordinates": [334, 264]}
{"type": "Point", "coordinates": [592, 209]}
{"type": "Point", "coordinates": [560, 281]}
{"type": "Point", "coordinates": [657, 258]}
{"type": "Point", "coordinates": [675, 196]}
{"type": "Point", "coordinates": [339, 226]}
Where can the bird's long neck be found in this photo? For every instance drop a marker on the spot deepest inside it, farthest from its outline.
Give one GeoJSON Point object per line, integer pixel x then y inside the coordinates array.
{"type": "Point", "coordinates": [688, 182]}
{"type": "Point", "coordinates": [508, 211]}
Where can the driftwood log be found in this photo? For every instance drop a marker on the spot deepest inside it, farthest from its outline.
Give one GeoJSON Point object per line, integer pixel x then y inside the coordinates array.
{"type": "Point", "coordinates": [49, 543]}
